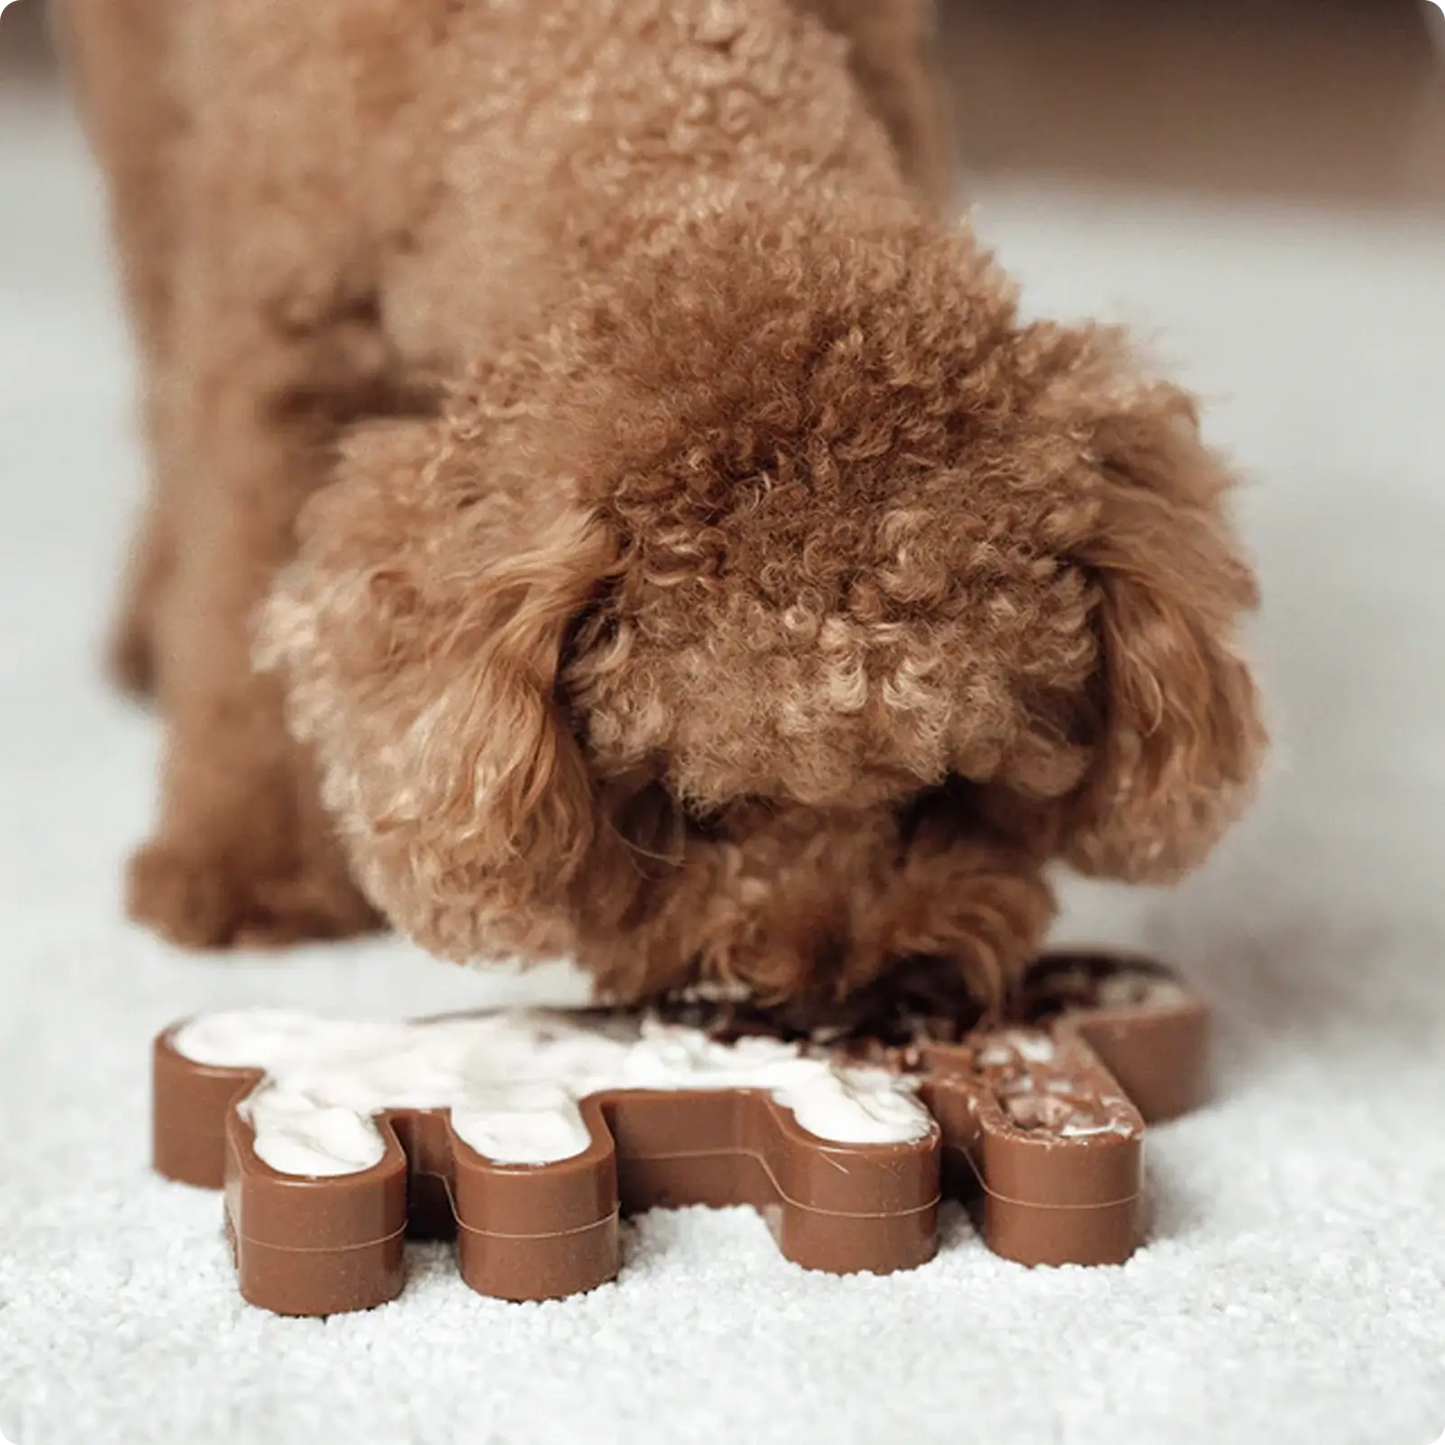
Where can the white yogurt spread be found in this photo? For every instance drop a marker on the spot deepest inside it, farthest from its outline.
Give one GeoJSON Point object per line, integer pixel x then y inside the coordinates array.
{"type": "Point", "coordinates": [512, 1081]}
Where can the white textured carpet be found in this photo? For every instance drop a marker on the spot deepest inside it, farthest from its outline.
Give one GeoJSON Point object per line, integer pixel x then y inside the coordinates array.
{"type": "Point", "coordinates": [1295, 1287]}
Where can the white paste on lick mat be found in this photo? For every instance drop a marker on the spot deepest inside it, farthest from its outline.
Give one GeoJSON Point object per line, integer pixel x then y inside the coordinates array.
{"type": "Point", "coordinates": [512, 1081]}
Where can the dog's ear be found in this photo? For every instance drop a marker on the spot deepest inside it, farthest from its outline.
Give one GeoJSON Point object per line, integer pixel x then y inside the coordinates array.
{"type": "Point", "coordinates": [1179, 736]}
{"type": "Point", "coordinates": [420, 633]}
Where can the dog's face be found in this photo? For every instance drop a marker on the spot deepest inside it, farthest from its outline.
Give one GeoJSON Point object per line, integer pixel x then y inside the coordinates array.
{"type": "Point", "coordinates": [837, 637]}
{"type": "Point", "coordinates": [853, 557]}
{"type": "Point", "coordinates": [823, 617]}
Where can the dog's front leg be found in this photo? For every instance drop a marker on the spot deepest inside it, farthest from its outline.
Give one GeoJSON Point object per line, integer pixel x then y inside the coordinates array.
{"type": "Point", "coordinates": [244, 853]}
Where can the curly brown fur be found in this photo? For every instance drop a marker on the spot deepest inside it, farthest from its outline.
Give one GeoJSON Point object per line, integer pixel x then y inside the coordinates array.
{"type": "Point", "coordinates": [756, 598]}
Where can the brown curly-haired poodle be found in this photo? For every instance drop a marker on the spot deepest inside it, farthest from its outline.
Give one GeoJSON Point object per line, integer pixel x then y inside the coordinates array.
{"type": "Point", "coordinates": [700, 568]}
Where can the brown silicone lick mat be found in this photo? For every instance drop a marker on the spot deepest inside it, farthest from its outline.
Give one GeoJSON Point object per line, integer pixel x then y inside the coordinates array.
{"type": "Point", "coordinates": [1040, 1129]}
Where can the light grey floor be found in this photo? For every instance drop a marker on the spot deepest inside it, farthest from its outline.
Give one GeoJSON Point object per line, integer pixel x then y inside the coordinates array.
{"type": "Point", "coordinates": [1295, 1288]}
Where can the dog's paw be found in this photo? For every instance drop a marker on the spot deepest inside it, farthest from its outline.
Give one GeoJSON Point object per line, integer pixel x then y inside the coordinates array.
{"type": "Point", "coordinates": [201, 900]}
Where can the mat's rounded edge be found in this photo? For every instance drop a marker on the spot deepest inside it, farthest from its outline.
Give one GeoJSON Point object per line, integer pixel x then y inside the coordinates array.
{"type": "Point", "coordinates": [1161, 1060]}
{"type": "Point", "coordinates": [1041, 1198]}
{"type": "Point", "coordinates": [849, 1208]}
{"type": "Point", "coordinates": [301, 1246]}
{"type": "Point", "coordinates": [1160, 1054]}
{"type": "Point", "coordinates": [189, 1101]}
{"type": "Point", "coordinates": [536, 1232]}
{"type": "Point", "coordinates": [1040, 1201]}
{"type": "Point", "coordinates": [307, 1245]}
